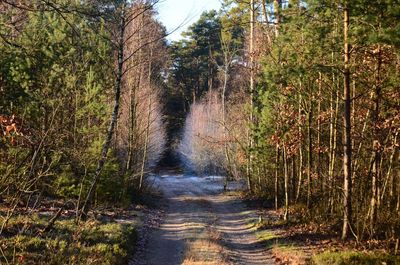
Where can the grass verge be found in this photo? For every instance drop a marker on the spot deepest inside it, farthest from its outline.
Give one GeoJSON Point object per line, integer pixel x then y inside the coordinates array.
{"type": "Point", "coordinates": [354, 258]}
{"type": "Point", "coordinates": [283, 251]}
{"type": "Point", "coordinates": [287, 251]}
{"type": "Point", "coordinates": [91, 242]}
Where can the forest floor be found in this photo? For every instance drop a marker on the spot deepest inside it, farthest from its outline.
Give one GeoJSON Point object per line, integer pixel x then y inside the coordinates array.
{"type": "Point", "coordinates": [107, 237]}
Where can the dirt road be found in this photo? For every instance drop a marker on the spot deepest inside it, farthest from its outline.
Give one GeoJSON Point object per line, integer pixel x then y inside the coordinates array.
{"type": "Point", "coordinates": [202, 225]}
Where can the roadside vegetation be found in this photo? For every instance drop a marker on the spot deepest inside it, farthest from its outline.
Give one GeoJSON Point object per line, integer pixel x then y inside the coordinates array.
{"type": "Point", "coordinates": [26, 241]}
{"type": "Point", "coordinates": [300, 243]}
{"type": "Point", "coordinates": [80, 127]}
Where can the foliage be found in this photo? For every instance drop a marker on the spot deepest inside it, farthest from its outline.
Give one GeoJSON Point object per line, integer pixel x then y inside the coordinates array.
{"type": "Point", "coordinates": [194, 68]}
{"type": "Point", "coordinates": [201, 147]}
{"type": "Point", "coordinates": [56, 81]}
{"type": "Point", "coordinates": [298, 107]}
{"type": "Point", "coordinates": [58, 61]}
{"type": "Point", "coordinates": [62, 105]}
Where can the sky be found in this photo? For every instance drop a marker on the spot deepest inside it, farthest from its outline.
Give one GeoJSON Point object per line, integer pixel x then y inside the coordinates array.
{"type": "Point", "coordinates": [178, 15]}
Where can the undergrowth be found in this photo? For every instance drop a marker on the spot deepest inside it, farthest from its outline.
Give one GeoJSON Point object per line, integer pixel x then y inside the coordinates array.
{"type": "Point", "coordinates": [305, 242]}
{"type": "Point", "coordinates": [354, 258]}
{"type": "Point", "coordinates": [91, 242]}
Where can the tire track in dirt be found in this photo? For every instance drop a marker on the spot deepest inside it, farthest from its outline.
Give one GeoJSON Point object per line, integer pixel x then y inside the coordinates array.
{"type": "Point", "coordinates": [202, 225]}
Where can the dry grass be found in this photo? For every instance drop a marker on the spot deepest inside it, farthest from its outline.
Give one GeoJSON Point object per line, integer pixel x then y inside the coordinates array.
{"type": "Point", "coordinates": [289, 255]}
{"type": "Point", "coordinates": [200, 201]}
{"type": "Point", "coordinates": [283, 251]}
{"type": "Point", "coordinates": [206, 250]}
{"type": "Point", "coordinates": [91, 242]}
{"type": "Point", "coordinates": [355, 258]}
{"type": "Point", "coordinates": [193, 262]}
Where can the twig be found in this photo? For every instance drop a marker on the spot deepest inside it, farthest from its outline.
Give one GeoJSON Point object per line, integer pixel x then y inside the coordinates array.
{"type": "Point", "coordinates": [4, 255]}
{"type": "Point", "coordinates": [50, 225]}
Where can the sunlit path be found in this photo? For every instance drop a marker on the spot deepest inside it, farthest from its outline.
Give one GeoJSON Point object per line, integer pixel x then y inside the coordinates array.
{"type": "Point", "coordinates": [202, 225]}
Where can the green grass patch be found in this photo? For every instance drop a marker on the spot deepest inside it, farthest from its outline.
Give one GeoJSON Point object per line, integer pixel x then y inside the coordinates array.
{"type": "Point", "coordinates": [268, 238]}
{"type": "Point", "coordinates": [91, 242]}
{"type": "Point", "coordinates": [354, 258]}
{"type": "Point", "coordinates": [283, 251]}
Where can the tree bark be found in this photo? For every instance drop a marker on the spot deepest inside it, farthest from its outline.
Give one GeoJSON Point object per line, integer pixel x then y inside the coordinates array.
{"type": "Point", "coordinates": [285, 165]}
{"type": "Point", "coordinates": [347, 152]}
{"type": "Point", "coordinates": [114, 117]}
{"type": "Point", "coordinates": [277, 153]}
{"type": "Point", "coordinates": [147, 135]}
{"type": "Point", "coordinates": [376, 147]}
{"type": "Point", "coordinates": [310, 156]}
{"type": "Point", "coordinates": [300, 180]}
{"type": "Point", "coordinates": [226, 69]}
{"type": "Point", "coordinates": [277, 7]}
{"type": "Point", "coordinates": [319, 156]}
{"type": "Point", "coordinates": [251, 140]}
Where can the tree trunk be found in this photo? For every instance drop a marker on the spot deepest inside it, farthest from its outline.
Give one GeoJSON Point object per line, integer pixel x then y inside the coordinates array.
{"type": "Point", "coordinates": [277, 152]}
{"type": "Point", "coordinates": [277, 7]}
{"type": "Point", "coordinates": [264, 10]}
{"type": "Point", "coordinates": [285, 165]}
{"type": "Point", "coordinates": [300, 153]}
{"type": "Point", "coordinates": [331, 150]}
{"type": "Point", "coordinates": [251, 140]}
{"type": "Point", "coordinates": [319, 158]}
{"type": "Point", "coordinates": [146, 140]}
{"type": "Point", "coordinates": [310, 156]}
{"type": "Point", "coordinates": [145, 148]}
{"type": "Point", "coordinates": [114, 118]}
{"type": "Point", "coordinates": [293, 179]}
{"type": "Point", "coordinates": [376, 147]}
{"type": "Point", "coordinates": [226, 149]}
{"type": "Point", "coordinates": [347, 152]}
{"type": "Point", "coordinates": [389, 176]}
{"type": "Point", "coordinates": [132, 123]}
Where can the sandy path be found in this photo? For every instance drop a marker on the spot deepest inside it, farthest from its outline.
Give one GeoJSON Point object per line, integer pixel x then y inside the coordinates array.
{"type": "Point", "coordinates": [202, 225]}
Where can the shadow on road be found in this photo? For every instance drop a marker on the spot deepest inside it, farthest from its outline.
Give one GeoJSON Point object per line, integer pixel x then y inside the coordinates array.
{"type": "Point", "coordinates": [203, 225]}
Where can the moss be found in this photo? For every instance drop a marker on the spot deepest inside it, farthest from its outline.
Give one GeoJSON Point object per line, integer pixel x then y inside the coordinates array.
{"type": "Point", "coordinates": [354, 258]}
